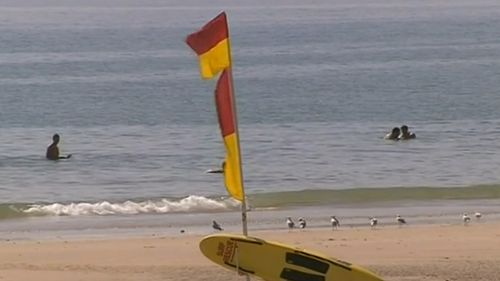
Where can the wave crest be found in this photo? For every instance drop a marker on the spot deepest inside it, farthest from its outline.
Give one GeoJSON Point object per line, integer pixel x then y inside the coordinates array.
{"type": "Point", "coordinates": [189, 204]}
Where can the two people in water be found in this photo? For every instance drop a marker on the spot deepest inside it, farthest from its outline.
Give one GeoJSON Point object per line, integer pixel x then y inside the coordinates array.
{"type": "Point", "coordinates": [400, 134]}
{"type": "Point", "coordinates": [53, 150]}
{"type": "Point", "coordinates": [396, 134]}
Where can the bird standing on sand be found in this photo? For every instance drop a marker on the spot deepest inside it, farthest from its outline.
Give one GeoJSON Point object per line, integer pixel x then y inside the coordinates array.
{"type": "Point", "coordinates": [373, 222]}
{"type": "Point", "coordinates": [400, 220]}
{"type": "Point", "coordinates": [478, 215]}
{"type": "Point", "coordinates": [290, 223]}
{"type": "Point", "coordinates": [335, 222]}
{"type": "Point", "coordinates": [302, 223]}
{"type": "Point", "coordinates": [216, 226]}
{"type": "Point", "coordinates": [465, 219]}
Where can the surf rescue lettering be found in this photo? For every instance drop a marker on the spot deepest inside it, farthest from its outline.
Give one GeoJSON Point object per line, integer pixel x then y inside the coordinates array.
{"type": "Point", "coordinates": [220, 249]}
{"type": "Point", "coordinates": [228, 251]}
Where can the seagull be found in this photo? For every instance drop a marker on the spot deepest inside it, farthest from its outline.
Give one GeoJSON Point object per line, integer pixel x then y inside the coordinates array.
{"type": "Point", "coordinates": [216, 226]}
{"type": "Point", "coordinates": [373, 222]}
{"type": "Point", "coordinates": [290, 223]}
{"type": "Point", "coordinates": [302, 223]}
{"type": "Point", "coordinates": [335, 222]}
{"type": "Point", "coordinates": [478, 215]}
{"type": "Point", "coordinates": [466, 218]}
{"type": "Point", "coordinates": [400, 220]}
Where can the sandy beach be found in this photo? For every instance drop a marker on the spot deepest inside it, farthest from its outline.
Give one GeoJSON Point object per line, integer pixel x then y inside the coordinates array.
{"type": "Point", "coordinates": [424, 252]}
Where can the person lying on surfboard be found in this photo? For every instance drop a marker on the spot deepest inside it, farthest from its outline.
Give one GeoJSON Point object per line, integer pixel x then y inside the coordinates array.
{"type": "Point", "coordinates": [217, 171]}
{"type": "Point", "coordinates": [53, 150]}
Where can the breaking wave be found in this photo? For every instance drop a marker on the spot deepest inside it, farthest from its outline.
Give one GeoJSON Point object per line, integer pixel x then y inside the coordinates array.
{"type": "Point", "coordinates": [190, 204]}
{"type": "Point", "coordinates": [258, 201]}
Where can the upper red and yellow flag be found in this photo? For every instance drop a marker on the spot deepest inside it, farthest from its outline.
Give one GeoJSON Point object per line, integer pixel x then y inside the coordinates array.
{"type": "Point", "coordinates": [232, 168]}
{"type": "Point", "coordinates": [211, 44]}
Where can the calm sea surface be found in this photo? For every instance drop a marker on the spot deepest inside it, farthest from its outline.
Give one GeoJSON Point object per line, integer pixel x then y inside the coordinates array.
{"type": "Point", "coordinates": [318, 85]}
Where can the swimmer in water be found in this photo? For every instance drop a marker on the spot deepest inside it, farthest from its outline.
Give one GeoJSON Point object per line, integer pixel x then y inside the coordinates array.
{"type": "Point", "coordinates": [393, 135]}
{"type": "Point", "coordinates": [53, 150]}
{"type": "Point", "coordinates": [405, 134]}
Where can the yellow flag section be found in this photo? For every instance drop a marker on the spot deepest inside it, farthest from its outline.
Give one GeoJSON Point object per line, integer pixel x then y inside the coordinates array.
{"type": "Point", "coordinates": [224, 101]}
{"type": "Point", "coordinates": [211, 44]}
{"type": "Point", "coordinates": [273, 261]}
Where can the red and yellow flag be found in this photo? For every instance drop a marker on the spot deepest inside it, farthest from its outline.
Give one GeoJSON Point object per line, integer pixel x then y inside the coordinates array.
{"type": "Point", "coordinates": [211, 44]}
{"type": "Point", "coordinates": [232, 167]}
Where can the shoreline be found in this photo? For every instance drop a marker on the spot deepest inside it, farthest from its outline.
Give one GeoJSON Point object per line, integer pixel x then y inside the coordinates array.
{"type": "Point", "coordinates": [423, 252]}
{"type": "Point", "coordinates": [317, 217]}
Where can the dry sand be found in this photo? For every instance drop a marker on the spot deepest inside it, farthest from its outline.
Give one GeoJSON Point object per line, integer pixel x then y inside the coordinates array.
{"type": "Point", "coordinates": [426, 252]}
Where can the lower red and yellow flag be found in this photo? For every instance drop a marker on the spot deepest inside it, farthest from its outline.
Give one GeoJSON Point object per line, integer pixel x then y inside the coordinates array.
{"type": "Point", "coordinates": [224, 100]}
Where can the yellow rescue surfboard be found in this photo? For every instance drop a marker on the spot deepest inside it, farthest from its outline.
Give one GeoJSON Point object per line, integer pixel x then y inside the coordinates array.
{"type": "Point", "coordinates": [273, 261]}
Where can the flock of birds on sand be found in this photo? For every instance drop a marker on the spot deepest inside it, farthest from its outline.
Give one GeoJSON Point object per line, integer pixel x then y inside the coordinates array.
{"type": "Point", "coordinates": [335, 223]}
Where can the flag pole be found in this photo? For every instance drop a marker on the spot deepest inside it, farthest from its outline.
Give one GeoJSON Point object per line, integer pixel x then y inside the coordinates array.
{"type": "Point", "coordinates": [236, 128]}
{"type": "Point", "coordinates": [244, 199]}
{"type": "Point", "coordinates": [235, 118]}
{"type": "Point", "coordinates": [209, 45]}
{"type": "Point", "coordinates": [212, 45]}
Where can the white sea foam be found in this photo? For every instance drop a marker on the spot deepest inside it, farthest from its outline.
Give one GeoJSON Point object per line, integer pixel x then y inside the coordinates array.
{"type": "Point", "coordinates": [186, 205]}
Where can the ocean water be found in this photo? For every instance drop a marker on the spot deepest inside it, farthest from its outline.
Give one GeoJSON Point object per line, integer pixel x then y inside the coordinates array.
{"type": "Point", "coordinates": [318, 85]}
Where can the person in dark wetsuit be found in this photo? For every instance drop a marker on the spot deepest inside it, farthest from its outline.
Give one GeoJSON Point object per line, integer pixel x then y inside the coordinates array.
{"type": "Point", "coordinates": [53, 150]}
